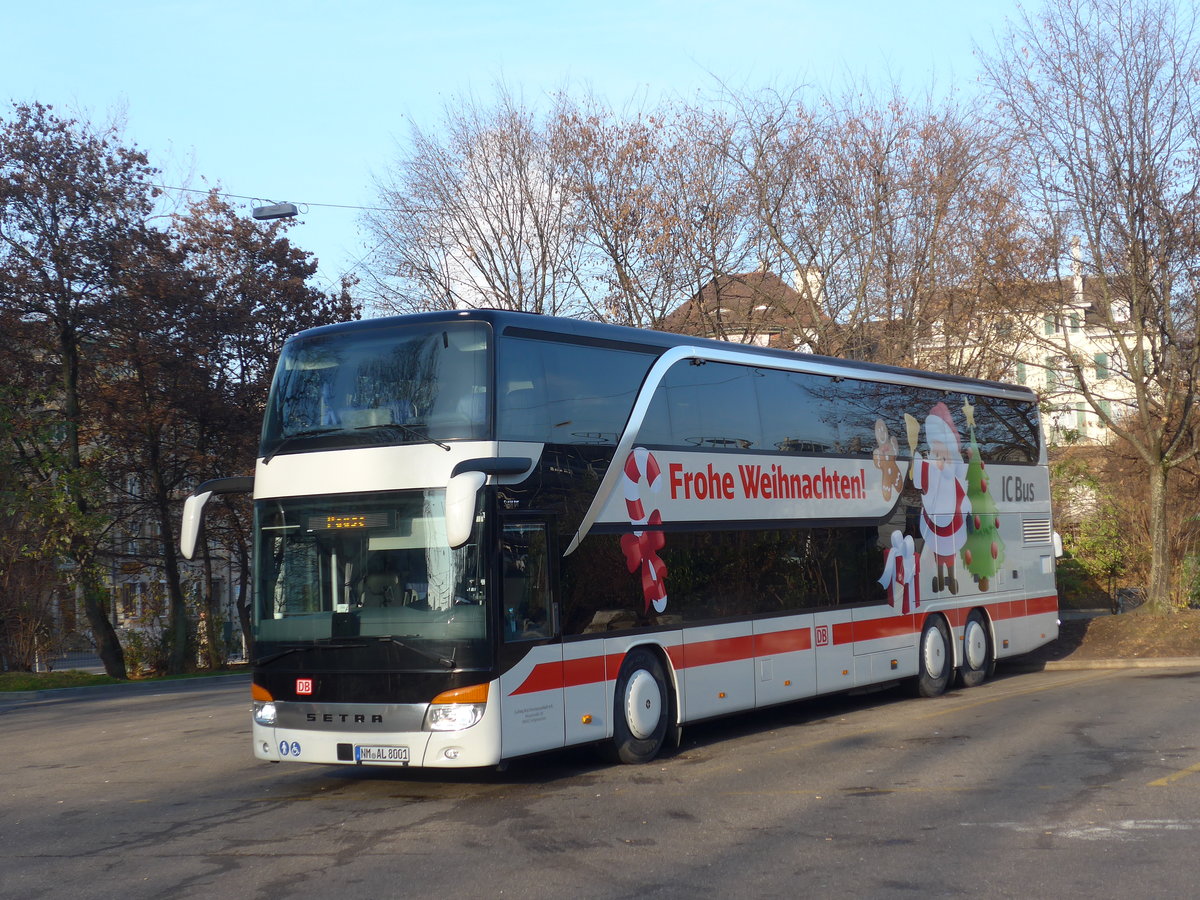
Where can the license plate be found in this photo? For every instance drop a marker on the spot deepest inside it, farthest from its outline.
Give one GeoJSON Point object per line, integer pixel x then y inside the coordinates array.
{"type": "Point", "coordinates": [376, 753]}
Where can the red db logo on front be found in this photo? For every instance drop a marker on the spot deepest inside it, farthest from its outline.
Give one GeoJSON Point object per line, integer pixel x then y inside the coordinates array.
{"type": "Point", "coordinates": [304, 685]}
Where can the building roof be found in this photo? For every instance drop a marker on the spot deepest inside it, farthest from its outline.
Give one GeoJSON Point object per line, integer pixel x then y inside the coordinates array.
{"type": "Point", "coordinates": [751, 307]}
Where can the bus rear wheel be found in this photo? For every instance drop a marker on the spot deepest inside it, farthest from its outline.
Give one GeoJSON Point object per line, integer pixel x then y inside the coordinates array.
{"type": "Point", "coordinates": [978, 660]}
{"type": "Point", "coordinates": [934, 666]}
{"type": "Point", "coordinates": [643, 704]}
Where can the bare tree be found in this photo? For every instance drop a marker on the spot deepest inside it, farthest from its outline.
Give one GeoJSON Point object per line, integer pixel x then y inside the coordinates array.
{"type": "Point", "coordinates": [1102, 98]}
{"type": "Point", "coordinates": [627, 272]}
{"type": "Point", "coordinates": [476, 215]}
{"type": "Point", "coordinates": [892, 215]}
{"type": "Point", "coordinates": [705, 202]}
{"type": "Point", "coordinates": [661, 205]}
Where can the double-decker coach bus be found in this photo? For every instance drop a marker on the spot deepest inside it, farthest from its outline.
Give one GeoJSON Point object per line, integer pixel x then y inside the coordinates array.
{"type": "Point", "coordinates": [484, 534]}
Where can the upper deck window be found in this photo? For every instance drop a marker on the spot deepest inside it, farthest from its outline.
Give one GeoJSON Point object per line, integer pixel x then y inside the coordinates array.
{"type": "Point", "coordinates": [560, 392]}
{"type": "Point", "coordinates": [400, 384]}
{"type": "Point", "coordinates": [721, 406]}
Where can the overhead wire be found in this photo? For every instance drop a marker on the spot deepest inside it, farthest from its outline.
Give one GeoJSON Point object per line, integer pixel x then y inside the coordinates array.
{"type": "Point", "coordinates": [307, 203]}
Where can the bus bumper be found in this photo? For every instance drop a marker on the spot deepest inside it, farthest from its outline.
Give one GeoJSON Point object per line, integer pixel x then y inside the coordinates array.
{"type": "Point", "coordinates": [476, 746]}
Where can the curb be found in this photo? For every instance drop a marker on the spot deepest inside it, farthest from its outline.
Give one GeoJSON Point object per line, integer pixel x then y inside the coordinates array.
{"type": "Point", "coordinates": [1068, 664]}
{"type": "Point", "coordinates": [1160, 662]}
{"type": "Point", "coordinates": [94, 692]}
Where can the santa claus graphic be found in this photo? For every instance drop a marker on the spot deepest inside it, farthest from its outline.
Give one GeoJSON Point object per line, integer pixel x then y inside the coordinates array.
{"type": "Point", "coordinates": [942, 480]}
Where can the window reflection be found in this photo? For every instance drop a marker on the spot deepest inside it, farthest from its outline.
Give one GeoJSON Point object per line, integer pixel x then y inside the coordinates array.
{"type": "Point", "coordinates": [397, 384]}
{"type": "Point", "coordinates": [365, 565]}
{"type": "Point", "coordinates": [722, 406]}
{"type": "Point", "coordinates": [525, 573]}
{"type": "Point", "coordinates": [564, 393]}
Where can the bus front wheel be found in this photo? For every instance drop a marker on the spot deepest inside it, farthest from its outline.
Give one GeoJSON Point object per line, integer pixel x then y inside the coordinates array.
{"type": "Point", "coordinates": [643, 706]}
{"type": "Point", "coordinates": [935, 665]}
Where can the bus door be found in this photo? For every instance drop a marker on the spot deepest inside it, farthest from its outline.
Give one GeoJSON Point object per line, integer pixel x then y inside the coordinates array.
{"type": "Point", "coordinates": [531, 662]}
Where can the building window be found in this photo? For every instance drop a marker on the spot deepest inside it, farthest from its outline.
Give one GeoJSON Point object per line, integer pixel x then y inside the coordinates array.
{"type": "Point", "coordinates": [1101, 366]}
{"type": "Point", "coordinates": [1021, 373]}
{"type": "Point", "coordinates": [1053, 376]}
{"type": "Point", "coordinates": [1050, 324]}
{"type": "Point", "coordinates": [131, 601]}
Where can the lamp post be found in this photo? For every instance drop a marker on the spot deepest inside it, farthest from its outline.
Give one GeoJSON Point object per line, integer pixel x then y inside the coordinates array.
{"type": "Point", "coordinates": [274, 211]}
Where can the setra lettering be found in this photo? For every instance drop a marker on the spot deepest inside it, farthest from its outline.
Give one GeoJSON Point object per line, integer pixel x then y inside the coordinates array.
{"type": "Point", "coordinates": [344, 718]}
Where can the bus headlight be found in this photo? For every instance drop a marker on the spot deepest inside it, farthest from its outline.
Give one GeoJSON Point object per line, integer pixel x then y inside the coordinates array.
{"type": "Point", "coordinates": [264, 705]}
{"type": "Point", "coordinates": [454, 716]}
{"type": "Point", "coordinates": [457, 709]}
{"type": "Point", "coordinates": [264, 713]}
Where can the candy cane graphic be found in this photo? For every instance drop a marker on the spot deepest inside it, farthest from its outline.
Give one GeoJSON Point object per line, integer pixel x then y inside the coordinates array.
{"type": "Point", "coordinates": [641, 548]}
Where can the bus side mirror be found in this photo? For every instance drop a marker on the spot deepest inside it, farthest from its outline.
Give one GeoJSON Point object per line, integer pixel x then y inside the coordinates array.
{"type": "Point", "coordinates": [466, 478]}
{"type": "Point", "coordinates": [1058, 547]}
{"type": "Point", "coordinates": [460, 506]}
{"type": "Point", "coordinates": [193, 508]}
{"type": "Point", "coordinates": [189, 530]}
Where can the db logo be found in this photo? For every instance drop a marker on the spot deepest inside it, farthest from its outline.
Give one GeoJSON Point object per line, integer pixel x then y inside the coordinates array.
{"type": "Point", "coordinates": [822, 635]}
{"type": "Point", "coordinates": [304, 686]}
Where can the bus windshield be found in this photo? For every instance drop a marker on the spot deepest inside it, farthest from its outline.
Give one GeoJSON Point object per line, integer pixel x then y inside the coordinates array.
{"type": "Point", "coordinates": [358, 568]}
{"type": "Point", "coordinates": [399, 384]}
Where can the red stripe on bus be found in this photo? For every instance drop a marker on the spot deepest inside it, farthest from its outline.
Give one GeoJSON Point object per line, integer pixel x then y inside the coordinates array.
{"type": "Point", "coordinates": [956, 617]}
{"type": "Point", "coordinates": [595, 669]}
{"type": "Point", "coordinates": [709, 653]}
{"type": "Point", "coordinates": [1011, 610]}
{"type": "Point", "coordinates": [783, 641]}
{"type": "Point", "coordinates": [1038, 605]}
{"type": "Point", "coordinates": [583, 671]}
{"type": "Point", "coordinates": [674, 653]}
{"type": "Point", "coordinates": [569, 673]}
{"type": "Point", "coordinates": [877, 629]}
{"type": "Point", "coordinates": [1015, 609]}
{"type": "Point", "coordinates": [544, 677]}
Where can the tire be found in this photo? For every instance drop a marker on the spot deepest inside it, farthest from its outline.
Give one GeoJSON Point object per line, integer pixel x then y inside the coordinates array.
{"type": "Point", "coordinates": [643, 707]}
{"type": "Point", "coordinates": [978, 660]}
{"type": "Point", "coordinates": [935, 658]}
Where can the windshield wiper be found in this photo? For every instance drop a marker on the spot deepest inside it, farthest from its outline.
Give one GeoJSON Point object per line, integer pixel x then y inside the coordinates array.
{"type": "Point", "coordinates": [298, 435]}
{"type": "Point", "coordinates": [262, 661]}
{"type": "Point", "coordinates": [407, 429]}
{"type": "Point", "coordinates": [447, 661]}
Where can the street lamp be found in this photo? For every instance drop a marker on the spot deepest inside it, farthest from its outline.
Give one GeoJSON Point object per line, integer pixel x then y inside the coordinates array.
{"type": "Point", "coordinates": [275, 211]}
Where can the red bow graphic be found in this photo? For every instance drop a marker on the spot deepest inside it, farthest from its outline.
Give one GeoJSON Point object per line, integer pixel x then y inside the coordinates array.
{"type": "Point", "coordinates": [641, 549]}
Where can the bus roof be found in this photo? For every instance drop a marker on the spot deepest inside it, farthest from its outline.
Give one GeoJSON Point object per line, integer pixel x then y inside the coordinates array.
{"type": "Point", "coordinates": [503, 320]}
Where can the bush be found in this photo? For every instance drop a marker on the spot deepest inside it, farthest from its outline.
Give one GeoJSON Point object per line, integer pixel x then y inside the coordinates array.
{"type": "Point", "coordinates": [147, 651]}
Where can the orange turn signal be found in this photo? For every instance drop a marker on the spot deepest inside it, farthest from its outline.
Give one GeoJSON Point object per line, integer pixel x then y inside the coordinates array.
{"type": "Point", "coordinates": [476, 693]}
{"type": "Point", "coordinates": [258, 692]}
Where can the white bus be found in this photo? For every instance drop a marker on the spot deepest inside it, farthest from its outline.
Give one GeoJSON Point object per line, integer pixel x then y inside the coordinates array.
{"type": "Point", "coordinates": [486, 534]}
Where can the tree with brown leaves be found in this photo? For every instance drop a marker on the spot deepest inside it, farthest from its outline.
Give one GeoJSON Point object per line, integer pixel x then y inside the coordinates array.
{"type": "Point", "coordinates": [1103, 97]}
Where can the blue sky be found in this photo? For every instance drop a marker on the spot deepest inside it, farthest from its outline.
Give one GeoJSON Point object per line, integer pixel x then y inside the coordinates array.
{"type": "Point", "coordinates": [305, 101]}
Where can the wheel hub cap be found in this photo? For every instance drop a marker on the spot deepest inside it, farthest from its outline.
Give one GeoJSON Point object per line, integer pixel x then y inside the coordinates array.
{"type": "Point", "coordinates": [643, 704]}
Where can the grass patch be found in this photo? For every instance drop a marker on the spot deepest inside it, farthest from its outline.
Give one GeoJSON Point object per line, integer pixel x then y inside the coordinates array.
{"type": "Point", "coordinates": [70, 678]}
{"type": "Point", "coordinates": [42, 681]}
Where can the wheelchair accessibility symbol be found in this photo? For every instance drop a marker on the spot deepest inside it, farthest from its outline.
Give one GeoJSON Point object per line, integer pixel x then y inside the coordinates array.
{"type": "Point", "coordinates": [286, 749]}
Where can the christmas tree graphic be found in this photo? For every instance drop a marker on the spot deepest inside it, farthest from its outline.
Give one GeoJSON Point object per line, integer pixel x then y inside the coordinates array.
{"type": "Point", "coordinates": [983, 554]}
